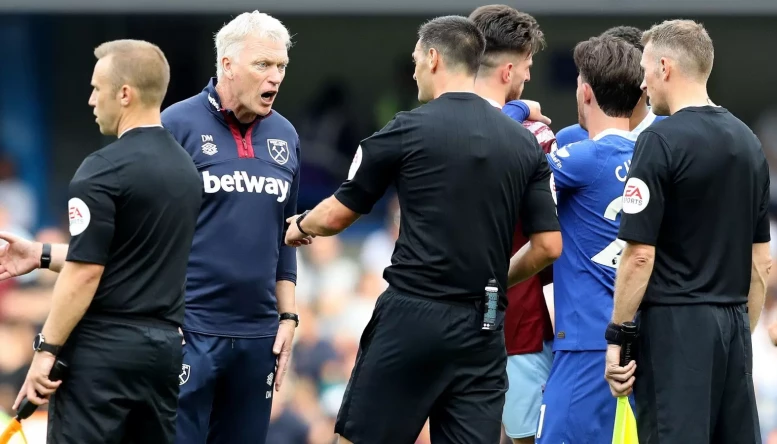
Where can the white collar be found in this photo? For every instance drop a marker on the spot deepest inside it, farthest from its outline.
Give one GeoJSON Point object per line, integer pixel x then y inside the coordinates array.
{"type": "Point", "coordinates": [141, 126]}
{"type": "Point", "coordinates": [616, 132]}
{"type": "Point", "coordinates": [646, 122]}
{"type": "Point", "coordinates": [493, 102]}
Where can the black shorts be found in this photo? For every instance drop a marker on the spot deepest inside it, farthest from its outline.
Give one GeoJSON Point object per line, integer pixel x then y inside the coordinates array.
{"type": "Point", "coordinates": [420, 359]}
{"type": "Point", "coordinates": [694, 379]}
{"type": "Point", "coordinates": [121, 387]}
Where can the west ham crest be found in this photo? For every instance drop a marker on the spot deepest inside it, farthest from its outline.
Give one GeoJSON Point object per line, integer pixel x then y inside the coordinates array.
{"type": "Point", "coordinates": [279, 150]}
{"type": "Point", "coordinates": [186, 370]}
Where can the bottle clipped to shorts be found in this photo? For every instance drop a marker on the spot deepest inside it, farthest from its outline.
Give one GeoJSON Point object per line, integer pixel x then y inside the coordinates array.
{"type": "Point", "coordinates": [628, 349]}
{"type": "Point", "coordinates": [490, 302]}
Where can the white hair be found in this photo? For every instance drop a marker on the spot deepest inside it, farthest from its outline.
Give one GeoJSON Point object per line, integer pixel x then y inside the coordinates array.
{"type": "Point", "coordinates": [231, 36]}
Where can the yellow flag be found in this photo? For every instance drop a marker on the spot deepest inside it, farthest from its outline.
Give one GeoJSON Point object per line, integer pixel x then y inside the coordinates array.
{"type": "Point", "coordinates": [625, 431]}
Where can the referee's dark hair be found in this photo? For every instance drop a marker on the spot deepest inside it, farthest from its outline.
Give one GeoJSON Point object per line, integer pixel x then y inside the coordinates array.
{"type": "Point", "coordinates": [611, 66]}
{"type": "Point", "coordinates": [507, 31]}
{"type": "Point", "coordinates": [629, 33]}
{"type": "Point", "coordinates": [457, 39]}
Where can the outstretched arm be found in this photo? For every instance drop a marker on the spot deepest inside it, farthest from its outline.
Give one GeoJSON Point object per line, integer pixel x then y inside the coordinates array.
{"type": "Point", "coordinates": [375, 165]}
{"type": "Point", "coordinates": [20, 256]}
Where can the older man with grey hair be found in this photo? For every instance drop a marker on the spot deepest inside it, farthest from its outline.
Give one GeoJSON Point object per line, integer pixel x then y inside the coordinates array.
{"type": "Point", "coordinates": [240, 291]}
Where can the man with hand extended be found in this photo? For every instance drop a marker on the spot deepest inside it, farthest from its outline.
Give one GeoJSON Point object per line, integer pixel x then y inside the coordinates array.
{"type": "Point", "coordinates": [465, 173]}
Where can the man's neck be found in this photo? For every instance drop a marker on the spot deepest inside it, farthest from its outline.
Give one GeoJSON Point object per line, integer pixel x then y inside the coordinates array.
{"type": "Point", "coordinates": [229, 101]}
{"type": "Point", "coordinates": [455, 83]}
{"type": "Point", "coordinates": [138, 118]}
{"type": "Point", "coordinates": [600, 122]}
{"type": "Point", "coordinates": [639, 114]}
{"type": "Point", "coordinates": [488, 89]}
{"type": "Point", "coordinates": [686, 94]}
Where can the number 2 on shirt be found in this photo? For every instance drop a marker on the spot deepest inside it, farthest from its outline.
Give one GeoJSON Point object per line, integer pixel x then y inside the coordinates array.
{"type": "Point", "coordinates": [611, 255]}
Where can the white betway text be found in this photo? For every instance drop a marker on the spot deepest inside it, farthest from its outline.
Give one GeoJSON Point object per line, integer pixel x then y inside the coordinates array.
{"type": "Point", "coordinates": [241, 182]}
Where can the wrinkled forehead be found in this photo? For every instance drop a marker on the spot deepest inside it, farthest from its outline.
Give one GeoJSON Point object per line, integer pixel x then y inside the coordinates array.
{"type": "Point", "coordinates": [262, 49]}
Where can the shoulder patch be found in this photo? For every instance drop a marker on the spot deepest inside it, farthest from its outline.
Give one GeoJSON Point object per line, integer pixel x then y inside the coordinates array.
{"type": "Point", "coordinates": [356, 163]}
{"type": "Point", "coordinates": [636, 196]}
{"type": "Point", "coordinates": [79, 215]}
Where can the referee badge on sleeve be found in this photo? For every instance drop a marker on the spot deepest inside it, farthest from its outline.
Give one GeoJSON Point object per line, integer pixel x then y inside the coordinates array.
{"type": "Point", "coordinates": [79, 216]}
{"type": "Point", "coordinates": [357, 161]}
{"type": "Point", "coordinates": [636, 196]}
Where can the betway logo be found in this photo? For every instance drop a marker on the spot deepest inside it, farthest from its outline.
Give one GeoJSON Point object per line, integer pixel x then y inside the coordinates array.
{"type": "Point", "coordinates": [241, 182]}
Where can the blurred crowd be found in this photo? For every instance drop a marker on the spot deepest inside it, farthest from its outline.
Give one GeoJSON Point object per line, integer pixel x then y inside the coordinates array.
{"type": "Point", "coordinates": [339, 282]}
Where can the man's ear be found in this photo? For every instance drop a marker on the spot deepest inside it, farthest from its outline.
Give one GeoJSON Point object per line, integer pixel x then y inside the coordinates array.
{"type": "Point", "coordinates": [433, 58]}
{"type": "Point", "coordinates": [665, 67]}
{"type": "Point", "coordinates": [588, 93]}
{"type": "Point", "coordinates": [226, 66]}
{"type": "Point", "coordinates": [125, 94]}
{"type": "Point", "coordinates": [507, 73]}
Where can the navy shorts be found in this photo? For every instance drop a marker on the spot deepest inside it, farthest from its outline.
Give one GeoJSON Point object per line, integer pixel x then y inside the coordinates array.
{"type": "Point", "coordinates": [226, 390]}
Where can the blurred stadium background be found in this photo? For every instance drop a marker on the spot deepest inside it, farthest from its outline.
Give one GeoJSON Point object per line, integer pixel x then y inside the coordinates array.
{"type": "Point", "coordinates": [350, 72]}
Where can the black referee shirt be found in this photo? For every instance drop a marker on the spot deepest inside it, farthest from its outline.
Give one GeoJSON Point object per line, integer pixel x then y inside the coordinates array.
{"type": "Point", "coordinates": [698, 190]}
{"type": "Point", "coordinates": [464, 173]}
{"type": "Point", "coordinates": [133, 208]}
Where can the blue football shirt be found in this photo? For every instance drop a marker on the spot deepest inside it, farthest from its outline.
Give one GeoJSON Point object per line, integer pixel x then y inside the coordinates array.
{"type": "Point", "coordinates": [589, 179]}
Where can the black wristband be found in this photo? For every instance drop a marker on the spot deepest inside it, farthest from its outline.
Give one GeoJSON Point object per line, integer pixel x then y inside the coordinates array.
{"type": "Point", "coordinates": [613, 334]}
{"type": "Point", "coordinates": [290, 316]}
{"type": "Point", "coordinates": [45, 256]}
{"type": "Point", "coordinates": [299, 222]}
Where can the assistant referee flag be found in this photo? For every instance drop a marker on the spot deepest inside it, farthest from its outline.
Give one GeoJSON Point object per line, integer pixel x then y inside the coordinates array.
{"type": "Point", "coordinates": [625, 431]}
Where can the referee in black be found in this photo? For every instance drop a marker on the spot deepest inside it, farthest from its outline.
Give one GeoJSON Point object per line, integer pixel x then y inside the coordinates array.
{"type": "Point", "coordinates": [464, 174]}
{"type": "Point", "coordinates": [697, 254]}
{"type": "Point", "coordinates": [119, 302]}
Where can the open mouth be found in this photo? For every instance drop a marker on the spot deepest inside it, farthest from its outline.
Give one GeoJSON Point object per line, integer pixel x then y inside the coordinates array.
{"type": "Point", "coordinates": [269, 95]}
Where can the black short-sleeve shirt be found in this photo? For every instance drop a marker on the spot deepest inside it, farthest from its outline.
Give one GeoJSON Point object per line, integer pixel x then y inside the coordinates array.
{"type": "Point", "coordinates": [698, 190]}
{"type": "Point", "coordinates": [464, 174]}
{"type": "Point", "coordinates": [133, 208]}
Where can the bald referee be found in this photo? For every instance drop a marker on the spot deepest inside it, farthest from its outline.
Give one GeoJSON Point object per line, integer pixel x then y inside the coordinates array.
{"type": "Point", "coordinates": [696, 259]}
{"type": "Point", "coordinates": [118, 303]}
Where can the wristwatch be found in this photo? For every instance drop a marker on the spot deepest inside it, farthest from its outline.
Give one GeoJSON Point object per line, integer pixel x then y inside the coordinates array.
{"type": "Point", "coordinates": [614, 334]}
{"type": "Point", "coordinates": [292, 316]}
{"type": "Point", "coordinates": [299, 222]}
{"type": "Point", "coordinates": [40, 345]}
{"type": "Point", "coordinates": [45, 256]}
